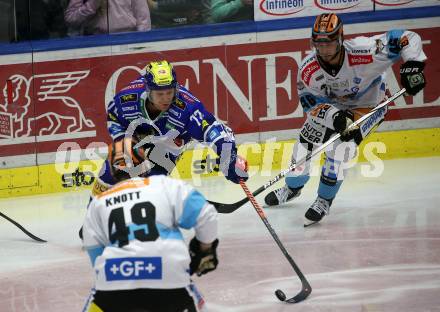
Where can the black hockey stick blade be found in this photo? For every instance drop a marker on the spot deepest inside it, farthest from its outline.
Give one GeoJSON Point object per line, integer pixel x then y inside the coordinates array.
{"type": "Point", "coordinates": [229, 208]}
{"type": "Point", "coordinates": [311, 223]}
{"type": "Point", "coordinates": [306, 289]}
{"type": "Point", "coordinates": [36, 238]}
{"type": "Point", "coordinates": [302, 295]}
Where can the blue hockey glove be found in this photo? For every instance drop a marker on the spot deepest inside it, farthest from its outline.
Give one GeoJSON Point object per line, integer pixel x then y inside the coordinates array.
{"type": "Point", "coordinates": [237, 168]}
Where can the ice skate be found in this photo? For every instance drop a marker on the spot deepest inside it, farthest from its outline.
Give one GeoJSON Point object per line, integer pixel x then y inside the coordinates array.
{"type": "Point", "coordinates": [317, 211]}
{"type": "Point", "coordinates": [282, 195]}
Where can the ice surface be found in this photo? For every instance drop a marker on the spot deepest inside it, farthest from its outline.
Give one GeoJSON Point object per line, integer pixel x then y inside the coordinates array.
{"type": "Point", "coordinates": [378, 250]}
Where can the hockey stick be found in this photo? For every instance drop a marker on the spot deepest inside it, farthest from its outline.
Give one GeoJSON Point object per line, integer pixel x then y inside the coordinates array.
{"type": "Point", "coordinates": [23, 229]}
{"type": "Point", "coordinates": [306, 288]}
{"type": "Point", "coordinates": [228, 208]}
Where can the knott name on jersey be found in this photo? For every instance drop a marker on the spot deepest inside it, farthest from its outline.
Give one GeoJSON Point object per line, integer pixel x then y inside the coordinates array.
{"type": "Point", "coordinates": [354, 60]}
{"type": "Point", "coordinates": [118, 199]}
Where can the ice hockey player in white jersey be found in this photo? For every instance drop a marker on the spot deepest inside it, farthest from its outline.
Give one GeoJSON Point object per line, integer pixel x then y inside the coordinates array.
{"type": "Point", "coordinates": [140, 259]}
{"type": "Point", "coordinates": [337, 83]}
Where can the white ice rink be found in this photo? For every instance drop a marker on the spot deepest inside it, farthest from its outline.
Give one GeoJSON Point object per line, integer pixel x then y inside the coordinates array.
{"type": "Point", "coordinates": [378, 250]}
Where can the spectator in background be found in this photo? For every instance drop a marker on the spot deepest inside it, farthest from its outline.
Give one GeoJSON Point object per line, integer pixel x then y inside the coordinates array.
{"type": "Point", "coordinates": [171, 13]}
{"type": "Point", "coordinates": [107, 16]}
{"type": "Point", "coordinates": [231, 10]}
{"type": "Point", "coordinates": [38, 19]}
{"type": "Point", "coordinates": [6, 21]}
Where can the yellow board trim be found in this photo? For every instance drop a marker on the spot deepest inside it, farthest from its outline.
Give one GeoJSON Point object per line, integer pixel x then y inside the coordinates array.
{"type": "Point", "coordinates": [68, 177]}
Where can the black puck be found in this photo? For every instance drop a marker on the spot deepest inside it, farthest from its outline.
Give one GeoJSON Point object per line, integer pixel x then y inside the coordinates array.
{"type": "Point", "coordinates": [280, 295]}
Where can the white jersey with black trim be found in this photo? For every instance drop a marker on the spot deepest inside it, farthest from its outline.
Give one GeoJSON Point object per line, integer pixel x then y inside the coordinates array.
{"type": "Point", "coordinates": [360, 82]}
{"type": "Point", "coordinates": [132, 233]}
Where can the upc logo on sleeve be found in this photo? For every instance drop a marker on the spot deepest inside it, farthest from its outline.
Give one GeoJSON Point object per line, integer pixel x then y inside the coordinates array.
{"type": "Point", "coordinates": [145, 268]}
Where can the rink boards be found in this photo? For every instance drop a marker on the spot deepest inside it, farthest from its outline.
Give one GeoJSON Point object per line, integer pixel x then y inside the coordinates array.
{"type": "Point", "coordinates": [52, 111]}
{"type": "Point", "coordinates": [262, 157]}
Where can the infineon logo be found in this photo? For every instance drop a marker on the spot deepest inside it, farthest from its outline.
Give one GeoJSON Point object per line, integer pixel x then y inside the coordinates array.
{"type": "Point", "coordinates": [336, 5]}
{"type": "Point", "coordinates": [392, 2]}
{"type": "Point", "coordinates": [281, 7]}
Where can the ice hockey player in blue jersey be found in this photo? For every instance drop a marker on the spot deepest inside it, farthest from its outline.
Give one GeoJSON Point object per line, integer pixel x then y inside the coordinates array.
{"type": "Point", "coordinates": [156, 108]}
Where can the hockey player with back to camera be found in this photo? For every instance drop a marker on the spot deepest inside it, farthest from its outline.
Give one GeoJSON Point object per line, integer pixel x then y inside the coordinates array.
{"type": "Point", "coordinates": [132, 235]}
{"type": "Point", "coordinates": [155, 106]}
{"type": "Point", "coordinates": [340, 81]}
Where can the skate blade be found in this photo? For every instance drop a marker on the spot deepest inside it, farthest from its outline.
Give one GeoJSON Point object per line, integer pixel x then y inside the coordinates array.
{"type": "Point", "coordinates": [283, 205]}
{"type": "Point", "coordinates": [272, 206]}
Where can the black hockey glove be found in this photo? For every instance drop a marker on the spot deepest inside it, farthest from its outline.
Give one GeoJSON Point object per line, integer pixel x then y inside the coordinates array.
{"type": "Point", "coordinates": [202, 262]}
{"type": "Point", "coordinates": [411, 76]}
{"type": "Point", "coordinates": [341, 121]}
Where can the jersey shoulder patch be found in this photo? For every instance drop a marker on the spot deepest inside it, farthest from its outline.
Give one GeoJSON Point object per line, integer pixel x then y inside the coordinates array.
{"type": "Point", "coordinates": [185, 102]}
{"type": "Point", "coordinates": [186, 96]}
{"type": "Point", "coordinates": [308, 68]}
{"type": "Point", "coordinates": [360, 45]}
{"type": "Point", "coordinates": [138, 84]}
{"type": "Point", "coordinates": [128, 97]}
{"type": "Point", "coordinates": [129, 94]}
{"type": "Point", "coordinates": [179, 104]}
{"type": "Point", "coordinates": [307, 60]}
{"type": "Point", "coordinates": [360, 50]}
{"type": "Point", "coordinates": [127, 103]}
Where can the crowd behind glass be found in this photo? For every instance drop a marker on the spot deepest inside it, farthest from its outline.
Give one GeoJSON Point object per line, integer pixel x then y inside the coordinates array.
{"type": "Point", "coordinates": [44, 19]}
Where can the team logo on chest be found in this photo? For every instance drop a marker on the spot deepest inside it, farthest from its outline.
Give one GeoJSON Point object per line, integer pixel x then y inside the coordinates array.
{"type": "Point", "coordinates": [357, 80]}
{"type": "Point", "coordinates": [354, 60]}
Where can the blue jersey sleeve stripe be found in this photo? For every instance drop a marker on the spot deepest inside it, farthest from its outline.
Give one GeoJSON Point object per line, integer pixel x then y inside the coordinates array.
{"type": "Point", "coordinates": [394, 34]}
{"type": "Point", "coordinates": [176, 122]}
{"type": "Point", "coordinates": [164, 232]}
{"type": "Point", "coordinates": [393, 42]}
{"type": "Point", "coordinates": [192, 207]}
{"type": "Point", "coordinates": [169, 233]}
{"type": "Point", "coordinates": [95, 253]}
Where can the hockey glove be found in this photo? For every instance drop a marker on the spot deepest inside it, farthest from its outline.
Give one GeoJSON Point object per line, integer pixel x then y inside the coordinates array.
{"type": "Point", "coordinates": [205, 261]}
{"type": "Point", "coordinates": [117, 158]}
{"type": "Point", "coordinates": [116, 161]}
{"type": "Point", "coordinates": [411, 76]}
{"type": "Point", "coordinates": [238, 169]}
{"type": "Point", "coordinates": [341, 122]}
{"type": "Point", "coordinates": [235, 168]}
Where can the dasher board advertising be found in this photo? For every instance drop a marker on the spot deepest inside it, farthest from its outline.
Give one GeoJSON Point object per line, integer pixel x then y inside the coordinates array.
{"type": "Point", "coordinates": [279, 9]}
